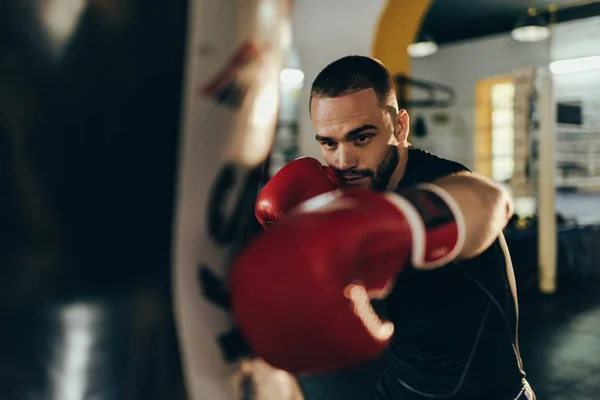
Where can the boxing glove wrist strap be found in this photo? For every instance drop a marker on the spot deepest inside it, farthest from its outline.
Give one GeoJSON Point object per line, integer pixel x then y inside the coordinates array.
{"type": "Point", "coordinates": [436, 221]}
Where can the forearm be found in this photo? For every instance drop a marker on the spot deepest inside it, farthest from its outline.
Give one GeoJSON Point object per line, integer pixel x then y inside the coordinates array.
{"type": "Point", "coordinates": [485, 206]}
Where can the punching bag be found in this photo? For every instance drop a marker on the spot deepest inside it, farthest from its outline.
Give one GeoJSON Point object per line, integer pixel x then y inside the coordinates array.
{"type": "Point", "coordinates": [89, 112]}
{"type": "Point", "coordinates": [231, 95]}
{"type": "Point", "coordinates": [104, 106]}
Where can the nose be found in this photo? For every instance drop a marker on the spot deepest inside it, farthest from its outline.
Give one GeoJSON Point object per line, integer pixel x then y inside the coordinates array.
{"type": "Point", "coordinates": [346, 159]}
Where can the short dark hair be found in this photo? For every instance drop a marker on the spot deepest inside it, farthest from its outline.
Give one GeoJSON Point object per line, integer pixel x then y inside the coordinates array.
{"type": "Point", "coordinates": [352, 74]}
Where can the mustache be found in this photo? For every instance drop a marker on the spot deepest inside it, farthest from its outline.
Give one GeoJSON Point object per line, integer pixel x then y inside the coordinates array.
{"type": "Point", "coordinates": [353, 173]}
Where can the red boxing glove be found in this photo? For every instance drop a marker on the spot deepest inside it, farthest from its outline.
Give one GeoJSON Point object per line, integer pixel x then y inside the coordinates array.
{"type": "Point", "coordinates": [296, 182]}
{"type": "Point", "coordinates": [300, 293]}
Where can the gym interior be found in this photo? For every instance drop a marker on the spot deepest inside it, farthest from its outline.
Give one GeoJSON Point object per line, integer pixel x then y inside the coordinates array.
{"type": "Point", "coordinates": [97, 100]}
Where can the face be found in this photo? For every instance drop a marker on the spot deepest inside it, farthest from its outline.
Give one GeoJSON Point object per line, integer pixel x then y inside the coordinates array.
{"type": "Point", "coordinates": [359, 137]}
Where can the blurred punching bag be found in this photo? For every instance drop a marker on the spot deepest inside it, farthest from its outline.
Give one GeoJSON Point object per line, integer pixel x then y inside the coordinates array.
{"type": "Point", "coordinates": [231, 95]}
{"type": "Point", "coordinates": [420, 127]}
{"type": "Point", "coordinates": [89, 119]}
{"type": "Point", "coordinates": [91, 104]}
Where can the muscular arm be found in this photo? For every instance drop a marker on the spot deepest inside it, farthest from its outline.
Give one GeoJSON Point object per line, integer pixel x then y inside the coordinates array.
{"type": "Point", "coordinates": [486, 208]}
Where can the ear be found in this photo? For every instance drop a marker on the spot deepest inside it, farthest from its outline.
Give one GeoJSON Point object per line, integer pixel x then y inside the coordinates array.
{"type": "Point", "coordinates": [403, 126]}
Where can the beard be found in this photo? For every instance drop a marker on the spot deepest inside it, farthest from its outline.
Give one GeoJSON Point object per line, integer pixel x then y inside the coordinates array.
{"type": "Point", "coordinates": [385, 169]}
{"type": "Point", "coordinates": [380, 177]}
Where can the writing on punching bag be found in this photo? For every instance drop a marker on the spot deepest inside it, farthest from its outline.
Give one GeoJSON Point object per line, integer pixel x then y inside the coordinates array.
{"type": "Point", "coordinates": [229, 228]}
{"type": "Point", "coordinates": [223, 228]}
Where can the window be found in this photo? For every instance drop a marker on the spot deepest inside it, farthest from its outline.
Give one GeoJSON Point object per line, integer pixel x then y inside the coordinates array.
{"type": "Point", "coordinates": [502, 131]}
{"type": "Point", "coordinates": [494, 128]}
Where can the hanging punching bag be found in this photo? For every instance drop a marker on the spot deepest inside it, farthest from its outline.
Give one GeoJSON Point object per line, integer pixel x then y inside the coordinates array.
{"type": "Point", "coordinates": [89, 115]}
{"type": "Point", "coordinates": [229, 117]}
{"type": "Point", "coordinates": [420, 127]}
{"type": "Point", "coordinates": [98, 122]}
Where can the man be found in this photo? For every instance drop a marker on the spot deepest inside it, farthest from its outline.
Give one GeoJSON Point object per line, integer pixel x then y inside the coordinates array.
{"type": "Point", "coordinates": [435, 240]}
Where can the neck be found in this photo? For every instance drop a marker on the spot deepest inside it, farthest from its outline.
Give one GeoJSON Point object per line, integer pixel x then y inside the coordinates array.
{"type": "Point", "coordinates": [400, 168]}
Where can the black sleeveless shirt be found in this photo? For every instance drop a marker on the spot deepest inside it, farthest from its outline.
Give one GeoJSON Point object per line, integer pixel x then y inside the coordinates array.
{"type": "Point", "coordinates": [456, 326]}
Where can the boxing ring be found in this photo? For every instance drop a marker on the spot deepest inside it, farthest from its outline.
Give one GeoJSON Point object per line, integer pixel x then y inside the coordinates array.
{"type": "Point", "coordinates": [553, 175]}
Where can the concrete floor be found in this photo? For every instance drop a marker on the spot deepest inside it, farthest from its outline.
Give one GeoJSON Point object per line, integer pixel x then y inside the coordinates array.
{"type": "Point", "coordinates": [560, 335]}
{"type": "Point", "coordinates": [560, 345]}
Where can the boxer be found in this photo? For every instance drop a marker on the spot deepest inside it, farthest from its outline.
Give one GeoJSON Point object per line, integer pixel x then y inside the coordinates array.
{"type": "Point", "coordinates": [398, 218]}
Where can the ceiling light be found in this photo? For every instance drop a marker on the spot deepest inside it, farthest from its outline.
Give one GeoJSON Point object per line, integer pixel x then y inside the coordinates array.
{"type": "Point", "coordinates": [291, 76]}
{"type": "Point", "coordinates": [575, 65]}
{"type": "Point", "coordinates": [530, 33]}
{"type": "Point", "coordinates": [424, 46]}
{"type": "Point", "coordinates": [531, 29]}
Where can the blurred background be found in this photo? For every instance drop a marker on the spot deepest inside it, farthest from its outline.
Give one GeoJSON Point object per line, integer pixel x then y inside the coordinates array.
{"type": "Point", "coordinates": [90, 98]}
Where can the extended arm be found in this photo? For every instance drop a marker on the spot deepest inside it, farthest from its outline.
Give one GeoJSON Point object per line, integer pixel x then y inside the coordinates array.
{"type": "Point", "coordinates": [486, 208]}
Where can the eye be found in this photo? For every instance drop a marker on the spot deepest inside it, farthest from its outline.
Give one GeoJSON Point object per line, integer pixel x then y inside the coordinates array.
{"type": "Point", "coordinates": [329, 145]}
{"type": "Point", "coordinates": [362, 140]}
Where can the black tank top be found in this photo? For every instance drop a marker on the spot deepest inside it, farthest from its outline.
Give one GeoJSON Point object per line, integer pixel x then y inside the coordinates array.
{"type": "Point", "coordinates": [455, 326]}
